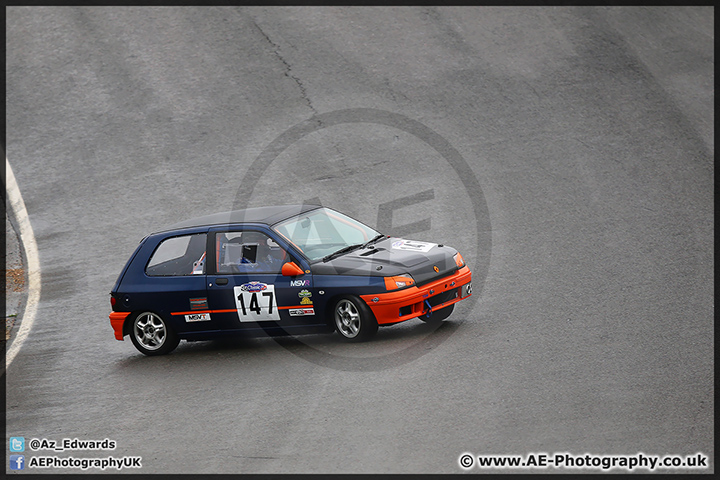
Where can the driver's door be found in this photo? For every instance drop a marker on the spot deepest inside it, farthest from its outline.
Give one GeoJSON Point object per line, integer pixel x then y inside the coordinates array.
{"type": "Point", "coordinates": [246, 286]}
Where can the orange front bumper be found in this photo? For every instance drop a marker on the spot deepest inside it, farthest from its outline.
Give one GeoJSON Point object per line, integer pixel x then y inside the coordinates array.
{"type": "Point", "coordinates": [117, 320]}
{"type": "Point", "coordinates": [401, 305]}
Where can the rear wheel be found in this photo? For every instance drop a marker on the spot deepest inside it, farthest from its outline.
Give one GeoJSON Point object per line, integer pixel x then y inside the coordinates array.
{"type": "Point", "coordinates": [437, 316]}
{"type": "Point", "coordinates": [354, 320]}
{"type": "Point", "coordinates": [151, 335]}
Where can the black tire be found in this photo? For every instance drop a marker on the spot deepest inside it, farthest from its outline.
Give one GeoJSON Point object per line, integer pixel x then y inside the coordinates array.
{"type": "Point", "coordinates": [353, 319]}
{"type": "Point", "coordinates": [437, 316]}
{"type": "Point", "coordinates": [152, 335]}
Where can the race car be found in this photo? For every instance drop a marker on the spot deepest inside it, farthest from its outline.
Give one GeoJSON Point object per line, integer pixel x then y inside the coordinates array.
{"type": "Point", "coordinates": [279, 270]}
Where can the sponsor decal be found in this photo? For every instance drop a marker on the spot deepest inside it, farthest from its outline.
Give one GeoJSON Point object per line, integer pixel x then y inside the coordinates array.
{"type": "Point", "coordinates": [412, 245]}
{"type": "Point", "coordinates": [304, 293]}
{"type": "Point", "coordinates": [306, 301]}
{"type": "Point", "coordinates": [300, 312]}
{"type": "Point", "coordinates": [299, 283]}
{"type": "Point", "coordinates": [436, 268]}
{"type": "Point", "coordinates": [254, 286]}
{"type": "Point", "coordinates": [197, 317]}
{"type": "Point", "coordinates": [198, 303]}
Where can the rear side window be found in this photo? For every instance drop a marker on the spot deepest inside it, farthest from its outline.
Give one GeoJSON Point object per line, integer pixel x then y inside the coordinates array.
{"type": "Point", "coordinates": [184, 255]}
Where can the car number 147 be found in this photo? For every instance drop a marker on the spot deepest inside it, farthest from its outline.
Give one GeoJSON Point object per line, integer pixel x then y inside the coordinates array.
{"type": "Point", "coordinates": [256, 306]}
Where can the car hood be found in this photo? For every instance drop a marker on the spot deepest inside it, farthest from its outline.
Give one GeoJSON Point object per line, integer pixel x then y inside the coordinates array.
{"type": "Point", "coordinates": [393, 256]}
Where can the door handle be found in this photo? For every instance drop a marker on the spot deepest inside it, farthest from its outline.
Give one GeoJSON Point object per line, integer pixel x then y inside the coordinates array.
{"type": "Point", "coordinates": [221, 281]}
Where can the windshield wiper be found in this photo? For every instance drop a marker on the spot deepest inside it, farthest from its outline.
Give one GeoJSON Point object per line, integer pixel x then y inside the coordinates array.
{"type": "Point", "coordinates": [375, 239]}
{"type": "Point", "coordinates": [343, 250]}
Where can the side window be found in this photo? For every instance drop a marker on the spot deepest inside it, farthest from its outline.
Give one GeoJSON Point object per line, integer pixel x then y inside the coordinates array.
{"type": "Point", "coordinates": [184, 255]}
{"type": "Point", "coordinates": [248, 251]}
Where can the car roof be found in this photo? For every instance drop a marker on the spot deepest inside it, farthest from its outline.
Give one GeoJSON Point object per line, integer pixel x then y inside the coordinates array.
{"type": "Point", "coordinates": [266, 215]}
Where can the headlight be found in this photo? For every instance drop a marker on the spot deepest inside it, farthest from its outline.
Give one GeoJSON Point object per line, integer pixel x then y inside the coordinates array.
{"type": "Point", "coordinates": [459, 261]}
{"type": "Point", "coordinates": [399, 281]}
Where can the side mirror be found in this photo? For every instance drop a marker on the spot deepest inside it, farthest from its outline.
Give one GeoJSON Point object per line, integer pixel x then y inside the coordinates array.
{"type": "Point", "coordinates": [291, 269]}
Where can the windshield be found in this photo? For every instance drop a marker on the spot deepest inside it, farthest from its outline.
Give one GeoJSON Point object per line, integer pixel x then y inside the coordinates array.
{"type": "Point", "coordinates": [323, 231]}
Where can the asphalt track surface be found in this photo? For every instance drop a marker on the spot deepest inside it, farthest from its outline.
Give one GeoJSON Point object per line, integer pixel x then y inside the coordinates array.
{"type": "Point", "coordinates": [567, 152]}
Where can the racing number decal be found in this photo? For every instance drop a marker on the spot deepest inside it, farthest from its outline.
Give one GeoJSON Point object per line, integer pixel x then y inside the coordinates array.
{"type": "Point", "coordinates": [255, 302]}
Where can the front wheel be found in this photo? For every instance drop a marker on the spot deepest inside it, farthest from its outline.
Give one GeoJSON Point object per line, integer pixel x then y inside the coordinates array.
{"type": "Point", "coordinates": [354, 320]}
{"type": "Point", "coordinates": [437, 316]}
{"type": "Point", "coordinates": [151, 335]}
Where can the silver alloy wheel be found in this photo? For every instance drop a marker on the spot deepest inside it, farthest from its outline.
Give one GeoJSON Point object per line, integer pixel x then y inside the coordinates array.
{"type": "Point", "coordinates": [149, 330]}
{"type": "Point", "coordinates": [347, 318]}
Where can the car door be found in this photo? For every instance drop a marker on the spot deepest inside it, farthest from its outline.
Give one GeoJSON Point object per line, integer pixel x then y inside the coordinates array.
{"type": "Point", "coordinates": [173, 283]}
{"type": "Point", "coordinates": [246, 287]}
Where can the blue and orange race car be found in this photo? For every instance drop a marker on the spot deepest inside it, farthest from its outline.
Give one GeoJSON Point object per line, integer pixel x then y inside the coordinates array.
{"type": "Point", "coordinates": [279, 270]}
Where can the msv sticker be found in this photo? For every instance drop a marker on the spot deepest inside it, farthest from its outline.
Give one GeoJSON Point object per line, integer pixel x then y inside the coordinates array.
{"type": "Point", "coordinates": [197, 317]}
{"type": "Point", "coordinates": [412, 245]}
{"type": "Point", "coordinates": [299, 283]}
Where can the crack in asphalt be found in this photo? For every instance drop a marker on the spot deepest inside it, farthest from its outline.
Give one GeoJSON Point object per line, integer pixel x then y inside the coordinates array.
{"type": "Point", "coordinates": [288, 67]}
